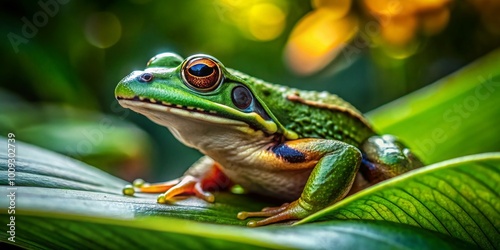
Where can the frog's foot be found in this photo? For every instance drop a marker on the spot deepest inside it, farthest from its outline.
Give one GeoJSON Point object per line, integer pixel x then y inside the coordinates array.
{"type": "Point", "coordinates": [187, 185]}
{"type": "Point", "coordinates": [287, 211]}
{"type": "Point", "coordinates": [205, 176]}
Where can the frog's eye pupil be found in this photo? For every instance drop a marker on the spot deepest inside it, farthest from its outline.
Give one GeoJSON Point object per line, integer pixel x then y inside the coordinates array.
{"type": "Point", "coordinates": [145, 77]}
{"type": "Point", "coordinates": [201, 74]}
{"type": "Point", "coordinates": [200, 70]}
{"type": "Point", "coordinates": [242, 98]}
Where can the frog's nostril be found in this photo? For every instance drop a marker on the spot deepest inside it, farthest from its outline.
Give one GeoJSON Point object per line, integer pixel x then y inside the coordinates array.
{"type": "Point", "coordinates": [145, 77]}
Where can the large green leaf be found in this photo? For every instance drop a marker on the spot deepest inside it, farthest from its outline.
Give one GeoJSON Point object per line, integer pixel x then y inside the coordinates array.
{"type": "Point", "coordinates": [53, 231]}
{"type": "Point", "coordinates": [456, 116]}
{"type": "Point", "coordinates": [459, 197]}
{"type": "Point", "coordinates": [64, 203]}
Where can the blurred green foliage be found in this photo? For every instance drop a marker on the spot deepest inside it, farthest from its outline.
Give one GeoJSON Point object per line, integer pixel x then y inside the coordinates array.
{"type": "Point", "coordinates": [71, 54]}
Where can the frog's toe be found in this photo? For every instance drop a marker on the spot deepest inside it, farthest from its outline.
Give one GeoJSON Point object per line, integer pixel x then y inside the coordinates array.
{"type": "Point", "coordinates": [265, 212]}
{"type": "Point", "coordinates": [139, 186]}
{"type": "Point", "coordinates": [285, 212]}
{"type": "Point", "coordinates": [144, 187]}
{"type": "Point", "coordinates": [188, 184]}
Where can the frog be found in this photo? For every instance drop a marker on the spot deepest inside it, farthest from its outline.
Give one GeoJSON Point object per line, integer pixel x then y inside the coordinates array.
{"type": "Point", "coordinates": [307, 149]}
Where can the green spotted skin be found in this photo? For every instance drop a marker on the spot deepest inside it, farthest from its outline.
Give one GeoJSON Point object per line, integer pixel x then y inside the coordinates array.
{"type": "Point", "coordinates": [327, 120]}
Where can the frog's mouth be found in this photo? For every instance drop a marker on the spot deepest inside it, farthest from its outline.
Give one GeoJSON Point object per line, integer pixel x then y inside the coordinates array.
{"type": "Point", "coordinates": [158, 110]}
{"type": "Point", "coordinates": [162, 103]}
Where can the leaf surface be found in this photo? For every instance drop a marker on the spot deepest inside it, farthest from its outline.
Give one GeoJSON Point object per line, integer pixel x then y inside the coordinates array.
{"type": "Point", "coordinates": [459, 197]}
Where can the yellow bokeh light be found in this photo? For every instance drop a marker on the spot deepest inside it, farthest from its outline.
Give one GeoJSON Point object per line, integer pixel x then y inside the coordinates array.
{"type": "Point", "coordinates": [435, 21]}
{"type": "Point", "coordinates": [317, 39]}
{"type": "Point", "coordinates": [262, 20]}
{"type": "Point", "coordinates": [234, 4]}
{"type": "Point", "coordinates": [407, 7]}
{"type": "Point", "coordinates": [401, 21]}
{"type": "Point", "coordinates": [103, 29]}
{"type": "Point", "coordinates": [338, 8]}
{"type": "Point", "coordinates": [394, 25]}
{"type": "Point", "coordinates": [266, 21]}
{"type": "Point", "coordinates": [400, 30]}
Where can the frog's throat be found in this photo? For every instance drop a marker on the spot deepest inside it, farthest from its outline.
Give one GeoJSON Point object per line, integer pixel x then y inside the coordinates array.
{"type": "Point", "coordinates": [200, 130]}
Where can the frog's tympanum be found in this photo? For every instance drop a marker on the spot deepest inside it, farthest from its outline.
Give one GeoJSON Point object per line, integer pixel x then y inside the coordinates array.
{"type": "Point", "coordinates": [308, 148]}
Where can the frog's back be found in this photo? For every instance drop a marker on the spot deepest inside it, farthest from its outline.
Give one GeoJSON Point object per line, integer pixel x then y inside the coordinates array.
{"type": "Point", "coordinates": [312, 114]}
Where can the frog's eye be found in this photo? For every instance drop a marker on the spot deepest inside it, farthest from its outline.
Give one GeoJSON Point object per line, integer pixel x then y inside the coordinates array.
{"type": "Point", "coordinates": [201, 73]}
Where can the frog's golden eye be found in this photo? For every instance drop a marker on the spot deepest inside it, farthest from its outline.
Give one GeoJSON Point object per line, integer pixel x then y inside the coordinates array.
{"type": "Point", "coordinates": [201, 73]}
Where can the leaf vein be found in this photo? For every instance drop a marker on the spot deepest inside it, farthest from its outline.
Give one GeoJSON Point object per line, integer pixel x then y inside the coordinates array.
{"type": "Point", "coordinates": [446, 211]}
{"type": "Point", "coordinates": [423, 217]}
{"type": "Point", "coordinates": [466, 201]}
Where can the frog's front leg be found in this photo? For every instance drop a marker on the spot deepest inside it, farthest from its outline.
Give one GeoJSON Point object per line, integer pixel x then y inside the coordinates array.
{"type": "Point", "coordinates": [336, 165]}
{"type": "Point", "coordinates": [384, 157]}
{"type": "Point", "coordinates": [203, 175]}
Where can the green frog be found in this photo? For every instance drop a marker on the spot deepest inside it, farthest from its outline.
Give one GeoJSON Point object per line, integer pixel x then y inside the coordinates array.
{"type": "Point", "coordinates": [308, 148]}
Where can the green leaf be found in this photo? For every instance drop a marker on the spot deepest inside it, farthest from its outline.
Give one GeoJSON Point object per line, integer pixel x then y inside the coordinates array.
{"type": "Point", "coordinates": [43, 176]}
{"type": "Point", "coordinates": [55, 231]}
{"type": "Point", "coordinates": [456, 116]}
{"type": "Point", "coordinates": [459, 197]}
{"type": "Point", "coordinates": [63, 203]}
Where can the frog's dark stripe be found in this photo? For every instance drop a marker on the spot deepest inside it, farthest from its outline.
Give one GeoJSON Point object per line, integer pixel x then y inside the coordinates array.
{"type": "Point", "coordinates": [288, 154]}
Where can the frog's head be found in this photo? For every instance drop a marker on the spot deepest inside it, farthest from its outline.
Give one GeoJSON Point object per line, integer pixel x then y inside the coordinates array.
{"type": "Point", "coordinates": [172, 91]}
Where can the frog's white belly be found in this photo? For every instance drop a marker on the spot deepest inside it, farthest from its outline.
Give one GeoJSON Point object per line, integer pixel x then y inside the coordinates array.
{"type": "Point", "coordinates": [284, 185]}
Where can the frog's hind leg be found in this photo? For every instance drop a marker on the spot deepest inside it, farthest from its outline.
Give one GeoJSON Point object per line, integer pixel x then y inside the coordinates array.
{"type": "Point", "coordinates": [384, 157]}
{"type": "Point", "coordinates": [334, 164]}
